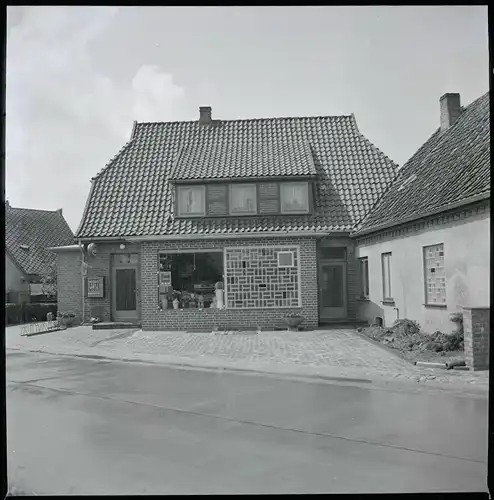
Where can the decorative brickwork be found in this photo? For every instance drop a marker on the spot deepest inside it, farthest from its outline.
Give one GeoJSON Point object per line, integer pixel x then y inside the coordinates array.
{"type": "Point", "coordinates": [255, 279]}
{"type": "Point", "coordinates": [207, 319]}
{"type": "Point", "coordinates": [476, 326]}
{"type": "Point", "coordinates": [423, 223]}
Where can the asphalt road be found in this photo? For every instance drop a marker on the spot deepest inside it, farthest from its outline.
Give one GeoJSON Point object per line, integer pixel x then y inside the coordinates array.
{"type": "Point", "coordinates": [77, 426]}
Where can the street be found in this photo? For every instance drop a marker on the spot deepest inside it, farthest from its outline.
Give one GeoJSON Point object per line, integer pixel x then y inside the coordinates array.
{"type": "Point", "coordinates": [81, 426]}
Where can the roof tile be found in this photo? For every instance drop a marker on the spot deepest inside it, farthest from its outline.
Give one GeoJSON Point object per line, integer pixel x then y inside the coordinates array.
{"type": "Point", "coordinates": [132, 195]}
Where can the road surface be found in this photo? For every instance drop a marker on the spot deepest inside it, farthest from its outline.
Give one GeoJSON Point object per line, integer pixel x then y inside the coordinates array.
{"type": "Point", "coordinates": [78, 426]}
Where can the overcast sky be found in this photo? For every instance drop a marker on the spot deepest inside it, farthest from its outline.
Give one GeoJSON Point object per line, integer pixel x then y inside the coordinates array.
{"type": "Point", "coordinates": [77, 77]}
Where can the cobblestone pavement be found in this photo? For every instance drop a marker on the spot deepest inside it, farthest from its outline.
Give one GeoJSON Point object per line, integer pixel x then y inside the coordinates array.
{"type": "Point", "coordinates": [332, 353]}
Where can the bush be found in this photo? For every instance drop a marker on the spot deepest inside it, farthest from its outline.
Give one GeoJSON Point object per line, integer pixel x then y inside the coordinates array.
{"type": "Point", "coordinates": [16, 314]}
{"type": "Point", "coordinates": [13, 314]}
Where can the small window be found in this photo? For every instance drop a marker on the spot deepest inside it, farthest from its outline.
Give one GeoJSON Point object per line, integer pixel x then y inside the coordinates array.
{"type": "Point", "coordinates": [243, 199]}
{"type": "Point", "coordinates": [435, 275]}
{"type": "Point", "coordinates": [191, 201]}
{"type": "Point", "coordinates": [285, 259]}
{"type": "Point", "coordinates": [294, 197]}
{"type": "Point", "coordinates": [364, 277]}
{"type": "Point", "coordinates": [386, 271]}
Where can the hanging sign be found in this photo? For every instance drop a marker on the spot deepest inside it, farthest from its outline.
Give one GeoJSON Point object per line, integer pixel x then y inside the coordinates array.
{"type": "Point", "coordinates": [95, 287]}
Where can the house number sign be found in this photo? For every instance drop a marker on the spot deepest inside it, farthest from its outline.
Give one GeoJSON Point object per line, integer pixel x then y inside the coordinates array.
{"type": "Point", "coordinates": [95, 287]}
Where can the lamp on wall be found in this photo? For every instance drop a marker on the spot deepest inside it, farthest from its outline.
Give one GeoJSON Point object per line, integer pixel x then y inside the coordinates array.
{"type": "Point", "coordinates": [122, 246]}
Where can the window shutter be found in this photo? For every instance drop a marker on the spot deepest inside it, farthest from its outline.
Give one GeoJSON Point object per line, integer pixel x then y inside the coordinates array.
{"type": "Point", "coordinates": [217, 199]}
{"type": "Point", "coordinates": [269, 198]}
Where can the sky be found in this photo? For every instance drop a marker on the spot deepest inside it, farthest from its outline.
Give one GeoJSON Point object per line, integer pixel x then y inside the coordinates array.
{"type": "Point", "coordinates": [77, 78]}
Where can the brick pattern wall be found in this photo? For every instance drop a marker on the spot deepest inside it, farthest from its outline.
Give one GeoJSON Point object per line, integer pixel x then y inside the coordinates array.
{"type": "Point", "coordinates": [254, 279]}
{"type": "Point", "coordinates": [476, 326]}
{"type": "Point", "coordinates": [192, 319]}
{"type": "Point", "coordinates": [69, 283]}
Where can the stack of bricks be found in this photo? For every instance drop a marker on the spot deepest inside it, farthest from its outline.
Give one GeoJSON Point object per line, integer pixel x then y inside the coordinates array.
{"type": "Point", "coordinates": [476, 326]}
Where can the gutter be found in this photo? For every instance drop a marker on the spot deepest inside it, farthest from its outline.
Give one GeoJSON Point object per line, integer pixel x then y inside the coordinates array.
{"type": "Point", "coordinates": [176, 237]}
{"type": "Point", "coordinates": [435, 211]}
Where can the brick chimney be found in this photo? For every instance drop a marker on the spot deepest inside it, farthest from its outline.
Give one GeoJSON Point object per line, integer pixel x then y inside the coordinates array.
{"type": "Point", "coordinates": [205, 115]}
{"type": "Point", "coordinates": [450, 110]}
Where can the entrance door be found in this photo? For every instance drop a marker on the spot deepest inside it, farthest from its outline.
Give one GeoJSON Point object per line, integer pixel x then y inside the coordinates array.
{"type": "Point", "coordinates": [124, 296]}
{"type": "Point", "coordinates": [332, 296]}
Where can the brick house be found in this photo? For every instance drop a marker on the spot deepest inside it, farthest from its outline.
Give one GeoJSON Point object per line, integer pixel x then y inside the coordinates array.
{"type": "Point", "coordinates": [29, 234]}
{"type": "Point", "coordinates": [264, 206]}
{"type": "Point", "coordinates": [424, 250]}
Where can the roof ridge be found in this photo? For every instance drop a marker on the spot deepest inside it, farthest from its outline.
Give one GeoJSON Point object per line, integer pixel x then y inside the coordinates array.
{"type": "Point", "coordinates": [237, 120]}
{"type": "Point", "coordinates": [35, 209]}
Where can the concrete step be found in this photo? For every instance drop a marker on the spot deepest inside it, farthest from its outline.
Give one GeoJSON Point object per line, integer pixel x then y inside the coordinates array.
{"type": "Point", "coordinates": [115, 325]}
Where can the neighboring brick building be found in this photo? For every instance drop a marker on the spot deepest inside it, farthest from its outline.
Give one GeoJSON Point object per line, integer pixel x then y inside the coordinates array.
{"type": "Point", "coordinates": [29, 234]}
{"type": "Point", "coordinates": [263, 207]}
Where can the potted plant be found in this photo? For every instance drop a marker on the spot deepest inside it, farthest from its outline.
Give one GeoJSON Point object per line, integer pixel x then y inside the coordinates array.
{"type": "Point", "coordinates": [176, 299]}
{"type": "Point", "coordinates": [219, 294]}
{"type": "Point", "coordinates": [293, 320]}
{"type": "Point", "coordinates": [66, 319]}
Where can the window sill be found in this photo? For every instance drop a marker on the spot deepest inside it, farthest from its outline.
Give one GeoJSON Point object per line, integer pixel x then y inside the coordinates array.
{"type": "Point", "coordinates": [436, 306]}
{"type": "Point", "coordinates": [388, 302]}
{"type": "Point", "coordinates": [363, 299]}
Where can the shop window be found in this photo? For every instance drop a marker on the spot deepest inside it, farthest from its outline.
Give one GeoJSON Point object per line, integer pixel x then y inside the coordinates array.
{"type": "Point", "coordinates": [188, 280]}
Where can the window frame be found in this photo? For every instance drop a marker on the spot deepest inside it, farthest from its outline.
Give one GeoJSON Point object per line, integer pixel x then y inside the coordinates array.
{"type": "Point", "coordinates": [425, 268]}
{"type": "Point", "coordinates": [180, 189]}
{"type": "Point", "coordinates": [285, 252]}
{"type": "Point", "coordinates": [230, 195]}
{"type": "Point", "coordinates": [364, 277]}
{"type": "Point", "coordinates": [386, 256]}
{"type": "Point", "coordinates": [283, 185]}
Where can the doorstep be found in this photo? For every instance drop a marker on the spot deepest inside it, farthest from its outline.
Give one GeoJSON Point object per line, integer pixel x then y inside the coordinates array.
{"type": "Point", "coordinates": [114, 325]}
{"type": "Point", "coordinates": [327, 323]}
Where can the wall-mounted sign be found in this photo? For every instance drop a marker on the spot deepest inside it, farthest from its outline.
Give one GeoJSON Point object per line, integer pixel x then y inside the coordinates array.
{"type": "Point", "coordinates": [166, 278]}
{"type": "Point", "coordinates": [96, 287]}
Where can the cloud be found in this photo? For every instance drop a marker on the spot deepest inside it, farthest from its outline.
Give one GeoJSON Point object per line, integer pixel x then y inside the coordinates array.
{"type": "Point", "coordinates": [64, 119]}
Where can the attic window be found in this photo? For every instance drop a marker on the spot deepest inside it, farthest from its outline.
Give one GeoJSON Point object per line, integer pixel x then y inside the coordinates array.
{"type": "Point", "coordinates": [24, 247]}
{"type": "Point", "coordinates": [407, 182]}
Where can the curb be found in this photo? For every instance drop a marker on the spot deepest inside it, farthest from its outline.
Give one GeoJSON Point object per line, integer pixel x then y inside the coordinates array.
{"type": "Point", "coordinates": [383, 383]}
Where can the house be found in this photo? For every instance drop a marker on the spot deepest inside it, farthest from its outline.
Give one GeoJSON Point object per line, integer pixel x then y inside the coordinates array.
{"type": "Point", "coordinates": [265, 207]}
{"type": "Point", "coordinates": [424, 249]}
{"type": "Point", "coordinates": [29, 234]}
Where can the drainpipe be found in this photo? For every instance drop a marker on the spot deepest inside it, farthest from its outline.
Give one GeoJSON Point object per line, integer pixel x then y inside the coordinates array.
{"type": "Point", "coordinates": [81, 247]}
{"type": "Point", "coordinates": [397, 313]}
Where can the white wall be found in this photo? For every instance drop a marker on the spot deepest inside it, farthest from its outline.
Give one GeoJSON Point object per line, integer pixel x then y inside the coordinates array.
{"type": "Point", "coordinates": [467, 263]}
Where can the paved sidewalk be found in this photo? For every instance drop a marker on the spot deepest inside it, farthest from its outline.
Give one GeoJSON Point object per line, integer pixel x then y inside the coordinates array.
{"type": "Point", "coordinates": [326, 353]}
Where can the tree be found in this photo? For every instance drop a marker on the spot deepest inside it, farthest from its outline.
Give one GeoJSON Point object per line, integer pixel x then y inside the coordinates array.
{"type": "Point", "coordinates": [49, 280]}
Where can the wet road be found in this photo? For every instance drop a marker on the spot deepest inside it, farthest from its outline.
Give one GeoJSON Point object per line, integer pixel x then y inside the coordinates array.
{"type": "Point", "coordinates": [77, 426]}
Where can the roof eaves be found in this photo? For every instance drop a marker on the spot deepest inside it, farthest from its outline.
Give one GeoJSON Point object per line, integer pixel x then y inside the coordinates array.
{"type": "Point", "coordinates": [86, 206]}
{"type": "Point", "coordinates": [435, 211]}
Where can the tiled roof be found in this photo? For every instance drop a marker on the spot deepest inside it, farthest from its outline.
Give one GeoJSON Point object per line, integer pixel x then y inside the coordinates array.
{"type": "Point", "coordinates": [132, 195]}
{"type": "Point", "coordinates": [453, 166]}
{"type": "Point", "coordinates": [224, 153]}
{"type": "Point", "coordinates": [36, 231]}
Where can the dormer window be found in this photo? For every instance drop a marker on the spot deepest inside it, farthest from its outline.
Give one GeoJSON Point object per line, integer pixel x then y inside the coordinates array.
{"type": "Point", "coordinates": [191, 201]}
{"type": "Point", "coordinates": [243, 199]}
{"type": "Point", "coordinates": [294, 197]}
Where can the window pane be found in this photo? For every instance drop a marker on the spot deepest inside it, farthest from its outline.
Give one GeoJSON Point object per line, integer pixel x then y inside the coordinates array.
{"type": "Point", "coordinates": [191, 200]}
{"type": "Point", "coordinates": [386, 269]}
{"type": "Point", "coordinates": [435, 275]}
{"type": "Point", "coordinates": [243, 199]}
{"type": "Point", "coordinates": [295, 197]}
{"type": "Point", "coordinates": [333, 253]}
{"type": "Point", "coordinates": [364, 277]}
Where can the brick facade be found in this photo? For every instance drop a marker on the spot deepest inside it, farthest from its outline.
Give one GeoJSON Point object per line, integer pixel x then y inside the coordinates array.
{"type": "Point", "coordinates": [192, 319]}
{"type": "Point", "coordinates": [476, 326]}
{"type": "Point", "coordinates": [69, 283]}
